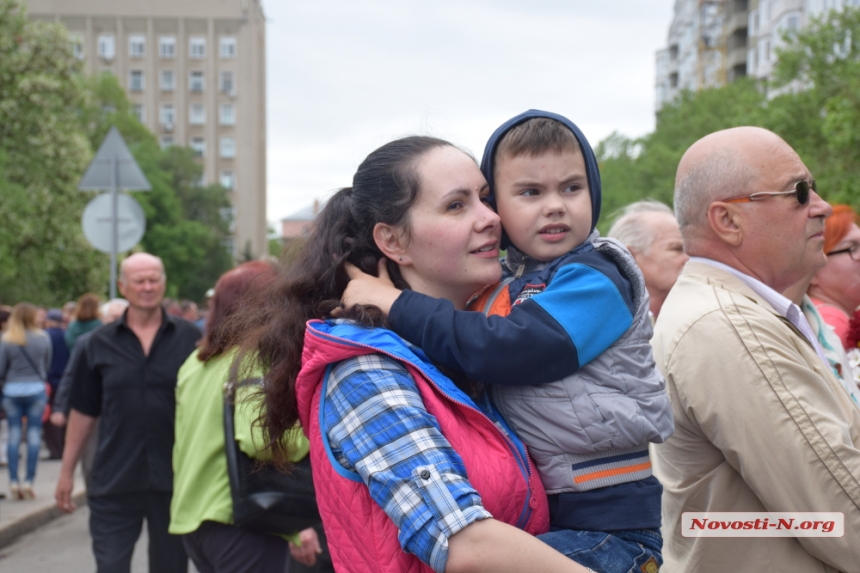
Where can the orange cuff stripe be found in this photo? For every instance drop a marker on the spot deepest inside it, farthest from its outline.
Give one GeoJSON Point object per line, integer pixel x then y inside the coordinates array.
{"type": "Point", "coordinates": [612, 472]}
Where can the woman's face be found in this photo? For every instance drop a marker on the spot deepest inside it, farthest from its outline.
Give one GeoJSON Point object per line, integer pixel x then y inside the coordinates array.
{"type": "Point", "coordinates": [452, 245]}
{"type": "Point", "coordinates": [839, 278]}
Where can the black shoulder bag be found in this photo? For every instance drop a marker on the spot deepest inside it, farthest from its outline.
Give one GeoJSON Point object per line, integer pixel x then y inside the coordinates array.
{"type": "Point", "coordinates": [265, 499]}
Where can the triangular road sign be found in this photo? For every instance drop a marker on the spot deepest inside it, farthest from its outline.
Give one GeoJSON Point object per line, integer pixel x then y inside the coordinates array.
{"type": "Point", "coordinates": [128, 173]}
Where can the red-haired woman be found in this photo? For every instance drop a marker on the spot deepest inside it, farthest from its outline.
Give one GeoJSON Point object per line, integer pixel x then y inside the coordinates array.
{"type": "Point", "coordinates": [202, 508]}
{"type": "Point", "coordinates": [835, 288]}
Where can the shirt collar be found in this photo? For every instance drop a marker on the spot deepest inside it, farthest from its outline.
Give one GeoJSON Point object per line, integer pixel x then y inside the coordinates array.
{"type": "Point", "coordinates": [780, 303]}
{"type": "Point", "coordinates": [167, 321]}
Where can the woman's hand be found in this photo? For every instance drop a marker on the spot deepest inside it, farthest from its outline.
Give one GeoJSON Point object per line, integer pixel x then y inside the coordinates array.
{"type": "Point", "coordinates": [307, 552]}
{"type": "Point", "coordinates": [370, 290]}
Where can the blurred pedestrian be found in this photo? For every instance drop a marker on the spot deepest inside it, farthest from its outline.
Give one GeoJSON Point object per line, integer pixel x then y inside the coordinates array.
{"type": "Point", "coordinates": [202, 507]}
{"type": "Point", "coordinates": [54, 434]}
{"type": "Point", "coordinates": [69, 312]}
{"type": "Point", "coordinates": [111, 311]}
{"type": "Point", "coordinates": [25, 354]}
{"type": "Point", "coordinates": [650, 232]}
{"type": "Point", "coordinates": [126, 379]}
{"type": "Point", "coordinates": [85, 318]}
{"type": "Point", "coordinates": [5, 311]}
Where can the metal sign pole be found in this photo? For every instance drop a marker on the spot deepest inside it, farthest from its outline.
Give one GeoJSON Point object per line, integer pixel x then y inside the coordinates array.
{"type": "Point", "coordinates": [114, 225]}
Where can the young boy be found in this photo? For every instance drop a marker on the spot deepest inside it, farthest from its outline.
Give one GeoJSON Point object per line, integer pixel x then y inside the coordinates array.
{"type": "Point", "coordinates": [565, 348]}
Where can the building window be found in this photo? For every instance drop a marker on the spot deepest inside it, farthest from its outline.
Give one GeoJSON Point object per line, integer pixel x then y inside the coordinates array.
{"type": "Point", "coordinates": [199, 146]}
{"type": "Point", "coordinates": [106, 46]}
{"type": "Point", "coordinates": [135, 81]}
{"type": "Point", "coordinates": [165, 141]}
{"type": "Point", "coordinates": [167, 115]}
{"type": "Point", "coordinates": [225, 83]}
{"type": "Point", "coordinates": [227, 47]}
{"type": "Point", "coordinates": [167, 80]}
{"type": "Point", "coordinates": [78, 46]}
{"type": "Point", "coordinates": [139, 112]}
{"type": "Point", "coordinates": [227, 114]}
{"type": "Point", "coordinates": [227, 180]}
{"type": "Point", "coordinates": [228, 147]}
{"type": "Point", "coordinates": [201, 181]}
{"type": "Point", "coordinates": [197, 48]}
{"type": "Point", "coordinates": [196, 114]}
{"type": "Point", "coordinates": [195, 81]}
{"type": "Point", "coordinates": [167, 47]}
{"type": "Point", "coordinates": [136, 46]}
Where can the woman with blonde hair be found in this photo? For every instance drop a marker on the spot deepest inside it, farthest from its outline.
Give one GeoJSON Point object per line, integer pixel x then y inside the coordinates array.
{"type": "Point", "coordinates": [25, 354]}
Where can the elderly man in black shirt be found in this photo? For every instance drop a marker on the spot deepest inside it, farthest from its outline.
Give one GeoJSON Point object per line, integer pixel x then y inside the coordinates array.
{"type": "Point", "coordinates": [126, 379]}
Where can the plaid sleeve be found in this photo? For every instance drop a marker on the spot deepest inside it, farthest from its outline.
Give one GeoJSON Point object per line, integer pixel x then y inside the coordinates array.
{"type": "Point", "coordinates": [377, 425]}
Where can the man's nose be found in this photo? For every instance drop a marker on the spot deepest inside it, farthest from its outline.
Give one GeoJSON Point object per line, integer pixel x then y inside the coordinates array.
{"type": "Point", "coordinates": [818, 207]}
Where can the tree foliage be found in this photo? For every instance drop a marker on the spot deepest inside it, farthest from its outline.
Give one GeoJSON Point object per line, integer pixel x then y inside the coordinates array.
{"type": "Point", "coordinates": [816, 109]}
{"type": "Point", "coordinates": [43, 151]}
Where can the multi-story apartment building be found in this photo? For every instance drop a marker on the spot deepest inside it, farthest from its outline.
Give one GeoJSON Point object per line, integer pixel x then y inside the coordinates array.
{"type": "Point", "coordinates": [194, 71]}
{"type": "Point", "coordinates": [713, 42]}
{"type": "Point", "coordinates": [694, 58]}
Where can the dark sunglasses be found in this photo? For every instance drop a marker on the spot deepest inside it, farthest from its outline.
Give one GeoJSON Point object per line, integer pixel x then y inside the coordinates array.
{"type": "Point", "coordinates": [801, 191]}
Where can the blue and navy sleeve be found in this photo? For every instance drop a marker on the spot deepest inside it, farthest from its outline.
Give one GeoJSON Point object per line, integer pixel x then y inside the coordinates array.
{"type": "Point", "coordinates": [581, 313]}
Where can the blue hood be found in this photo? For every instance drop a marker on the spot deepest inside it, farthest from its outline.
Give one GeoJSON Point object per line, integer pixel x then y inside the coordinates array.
{"type": "Point", "coordinates": [591, 170]}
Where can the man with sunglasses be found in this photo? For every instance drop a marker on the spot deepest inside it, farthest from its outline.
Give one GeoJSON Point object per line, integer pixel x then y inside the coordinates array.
{"type": "Point", "coordinates": [762, 424]}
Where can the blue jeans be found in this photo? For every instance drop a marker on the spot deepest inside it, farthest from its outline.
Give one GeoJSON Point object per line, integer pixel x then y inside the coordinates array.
{"type": "Point", "coordinates": [16, 408]}
{"type": "Point", "coordinates": [628, 551]}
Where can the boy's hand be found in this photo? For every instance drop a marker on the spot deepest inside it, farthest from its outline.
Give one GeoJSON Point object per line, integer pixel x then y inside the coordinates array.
{"type": "Point", "coordinates": [368, 289]}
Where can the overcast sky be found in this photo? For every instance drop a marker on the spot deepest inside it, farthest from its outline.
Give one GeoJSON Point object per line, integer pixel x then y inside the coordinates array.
{"type": "Point", "coordinates": [346, 76]}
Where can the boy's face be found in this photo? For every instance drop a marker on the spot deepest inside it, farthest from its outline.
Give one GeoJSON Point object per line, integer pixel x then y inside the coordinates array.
{"type": "Point", "coordinates": [544, 202]}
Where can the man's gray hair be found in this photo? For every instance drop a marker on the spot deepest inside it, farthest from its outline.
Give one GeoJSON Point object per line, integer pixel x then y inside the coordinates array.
{"type": "Point", "coordinates": [631, 226]}
{"type": "Point", "coordinates": [724, 175]}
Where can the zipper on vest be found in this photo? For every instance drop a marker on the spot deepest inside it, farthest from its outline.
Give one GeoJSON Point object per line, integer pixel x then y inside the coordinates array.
{"type": "Point", "coordinates": [526, 513]}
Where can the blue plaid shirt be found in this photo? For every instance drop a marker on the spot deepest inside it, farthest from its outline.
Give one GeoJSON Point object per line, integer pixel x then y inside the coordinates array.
{"type": "Point", "coordinates": [377, 426]}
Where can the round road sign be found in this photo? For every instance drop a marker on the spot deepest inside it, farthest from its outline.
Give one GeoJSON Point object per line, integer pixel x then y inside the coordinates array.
{"type": "Point", "coordinates": [97, 222]}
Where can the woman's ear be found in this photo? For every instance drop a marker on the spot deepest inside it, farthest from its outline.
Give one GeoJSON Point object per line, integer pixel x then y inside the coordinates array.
{"type": "Point", "coordinates": [726, 223]}
{"type": "Point", "coordinates": [392, 242]}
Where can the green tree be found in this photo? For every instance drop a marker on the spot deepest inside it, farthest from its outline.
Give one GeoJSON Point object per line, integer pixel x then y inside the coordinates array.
{"type": "Point", "coordinates": [818, 112]}
{"type": "Point", "coordinates": [635, 169]}
{"type": "Point", "coordinates": [43, 152]}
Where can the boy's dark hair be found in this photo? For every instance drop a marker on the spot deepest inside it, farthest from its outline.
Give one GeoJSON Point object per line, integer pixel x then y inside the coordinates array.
{"type": "Point", "coordinates": [534, 137]}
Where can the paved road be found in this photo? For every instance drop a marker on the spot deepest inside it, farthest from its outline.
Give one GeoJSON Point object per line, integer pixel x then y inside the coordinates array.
{"type": "Point", "coordinates": [63, 546]}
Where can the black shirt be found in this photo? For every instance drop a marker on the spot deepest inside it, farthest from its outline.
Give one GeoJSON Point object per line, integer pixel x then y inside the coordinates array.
{"type": "Point", "coordinates": [134, 397]}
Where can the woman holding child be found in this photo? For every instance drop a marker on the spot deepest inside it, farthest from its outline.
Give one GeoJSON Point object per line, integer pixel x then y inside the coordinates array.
{"type": "Point", "coordinates": [411, 460]}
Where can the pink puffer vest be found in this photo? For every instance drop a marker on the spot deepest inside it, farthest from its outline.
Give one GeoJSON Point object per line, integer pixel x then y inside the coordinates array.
{"type": "Point", "coordinates": [361, 537]}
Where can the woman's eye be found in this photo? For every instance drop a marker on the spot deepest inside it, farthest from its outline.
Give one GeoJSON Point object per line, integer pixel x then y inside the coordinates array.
{"type": "Point", "coordinates": [485, 199]}
{"type": "Point", "coordinates": [455, 205]}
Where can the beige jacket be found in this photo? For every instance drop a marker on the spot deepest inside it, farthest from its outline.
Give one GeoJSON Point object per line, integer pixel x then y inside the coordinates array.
{"type": "Point", "coordinates": [761, 424]}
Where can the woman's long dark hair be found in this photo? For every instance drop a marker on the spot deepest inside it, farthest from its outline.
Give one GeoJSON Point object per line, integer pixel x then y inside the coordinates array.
{"type": "Point", "coordinates": [383, 189]}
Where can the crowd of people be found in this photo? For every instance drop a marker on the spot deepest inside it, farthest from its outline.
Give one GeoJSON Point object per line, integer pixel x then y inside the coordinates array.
{"type": "Point", "coordinates": [558, 406]}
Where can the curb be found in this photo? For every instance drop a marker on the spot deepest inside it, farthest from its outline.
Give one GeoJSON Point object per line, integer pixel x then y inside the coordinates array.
{"type": "Point", "coordinates": [10, 533]}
